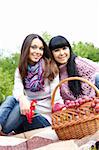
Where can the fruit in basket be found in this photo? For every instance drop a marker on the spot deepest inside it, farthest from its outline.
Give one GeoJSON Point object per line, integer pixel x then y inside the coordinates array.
{"type": "Point", "coordinates": [57, 107]}
{"type": "Point", "coordinates": [74, 104]}
{"type": "Point", "coordinates": [87, 99]}
{"type": "Point", "coordinates": [95, 104]}
{"type": "Point", "coordinates": [69, 104]}
{"type": "Point", "coordinates": [97, 108]}
{"type": "Point", "coordinates": [97, 100]}
{"type": "Point", "coordinates": [80, 101]}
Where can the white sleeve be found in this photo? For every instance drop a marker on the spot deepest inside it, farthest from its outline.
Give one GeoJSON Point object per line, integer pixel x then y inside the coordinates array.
{"type": "Point", "coordinates": [58, 97]}
{"type": "Point", "coordinates": [18, 89]}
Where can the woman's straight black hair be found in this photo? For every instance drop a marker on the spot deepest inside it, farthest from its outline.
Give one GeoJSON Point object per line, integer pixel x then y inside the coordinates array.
{"type": "Point", "coordinates": [74, 85]}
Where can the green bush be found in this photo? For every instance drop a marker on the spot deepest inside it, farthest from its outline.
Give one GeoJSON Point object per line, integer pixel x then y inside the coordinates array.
{"type": "Point", "coordinates": [6, 84]}
{"type": "Point", "coordinates": [7, 70]}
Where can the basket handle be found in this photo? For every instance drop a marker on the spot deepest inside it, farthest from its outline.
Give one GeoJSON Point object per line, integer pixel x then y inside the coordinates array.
{"type": "Point", "coordinates": [73, 78]}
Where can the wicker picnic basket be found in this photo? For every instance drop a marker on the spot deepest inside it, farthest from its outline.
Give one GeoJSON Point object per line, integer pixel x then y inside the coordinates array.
{"type": "Point", "coordinates": [68, 123]}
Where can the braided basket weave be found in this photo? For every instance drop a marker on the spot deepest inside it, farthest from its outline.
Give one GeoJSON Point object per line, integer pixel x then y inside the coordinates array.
{"type": "Point", "coordinates": [68, 123]}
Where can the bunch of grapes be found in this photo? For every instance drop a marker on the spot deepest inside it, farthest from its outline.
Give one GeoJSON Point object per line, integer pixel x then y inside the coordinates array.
{"type": "Point", "coordinates": [78, 102]}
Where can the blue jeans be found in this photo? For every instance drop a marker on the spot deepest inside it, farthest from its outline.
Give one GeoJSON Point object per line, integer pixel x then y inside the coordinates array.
{"type": "Point", "coordinates": [6, 108]}
{"type": "Point", "coordinates": [97, 80]}
{"type": "Point", "coordinates": [37, 122]}
{"type": "Point", "coordinates": [11, 118]}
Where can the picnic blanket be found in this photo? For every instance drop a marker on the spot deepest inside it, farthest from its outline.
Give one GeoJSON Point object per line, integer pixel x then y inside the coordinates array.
{"type": "Point", "coordinates": [44, 139]}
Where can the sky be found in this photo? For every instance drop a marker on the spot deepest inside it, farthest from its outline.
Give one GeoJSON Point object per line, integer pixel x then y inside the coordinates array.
{"type": "Point", "coordinates": [77, 20]}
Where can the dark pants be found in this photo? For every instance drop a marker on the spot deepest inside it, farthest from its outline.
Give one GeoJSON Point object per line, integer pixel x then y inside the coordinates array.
{"type": "Point", "coordinates": [37, 122]}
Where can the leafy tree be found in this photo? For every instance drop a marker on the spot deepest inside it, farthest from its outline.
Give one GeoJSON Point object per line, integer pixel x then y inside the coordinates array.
{"type": "Point", "coordinates": [46, 37]}
{"type": "Point", "coordinates": [87, 50]}
{"type": "Point", "coordinates": [9, 63]}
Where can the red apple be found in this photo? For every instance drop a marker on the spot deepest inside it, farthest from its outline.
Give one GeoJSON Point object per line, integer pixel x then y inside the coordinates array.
{"type": "Point", "coordinates": [57, 107]}
{"type": "Point", "coordinates": [97, 106]}
{"type": "Point", "coordinates": [93, 104]}
{"type": "Point", "coordinates": [97, 100]}
{"type": "Point", "coordinates": [67, 102]}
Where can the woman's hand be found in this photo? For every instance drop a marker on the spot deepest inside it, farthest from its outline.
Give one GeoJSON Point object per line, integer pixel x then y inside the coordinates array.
{"type": "Point", "coordinates": [24, 105]}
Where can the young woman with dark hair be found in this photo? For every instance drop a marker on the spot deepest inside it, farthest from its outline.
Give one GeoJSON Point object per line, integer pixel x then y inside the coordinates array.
{"type": "Point", "coordinates": [71, 65]}
{"type": "Point", "coordinates": [35, 78]}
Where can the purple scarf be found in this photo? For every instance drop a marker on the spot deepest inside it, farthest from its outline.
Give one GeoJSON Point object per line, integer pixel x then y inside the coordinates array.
{"type": "Point", "coordinates": [34, 80]}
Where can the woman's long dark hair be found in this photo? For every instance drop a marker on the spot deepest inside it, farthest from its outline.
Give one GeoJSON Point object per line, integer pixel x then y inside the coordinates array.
{"type": "Point", "coordinates": [74, 85]}
{"type": "Point", "coordinates": [23, 62]}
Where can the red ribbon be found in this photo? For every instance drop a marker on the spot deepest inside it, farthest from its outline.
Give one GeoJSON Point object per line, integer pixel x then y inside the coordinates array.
{"type": "Point", "coordinates": [31, 113]}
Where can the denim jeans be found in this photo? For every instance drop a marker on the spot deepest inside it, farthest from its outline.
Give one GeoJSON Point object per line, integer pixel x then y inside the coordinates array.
{"type": "Point", "coordinates": [97, 80]}
{"type": "Point", "coordinates": [12, 120]}
{"type": "Point", "coordinates": [37, 122]}
{"type": "Point", "coordinates": [10, 114]}
{"type": "Point", "coordinates": [5, 109]}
